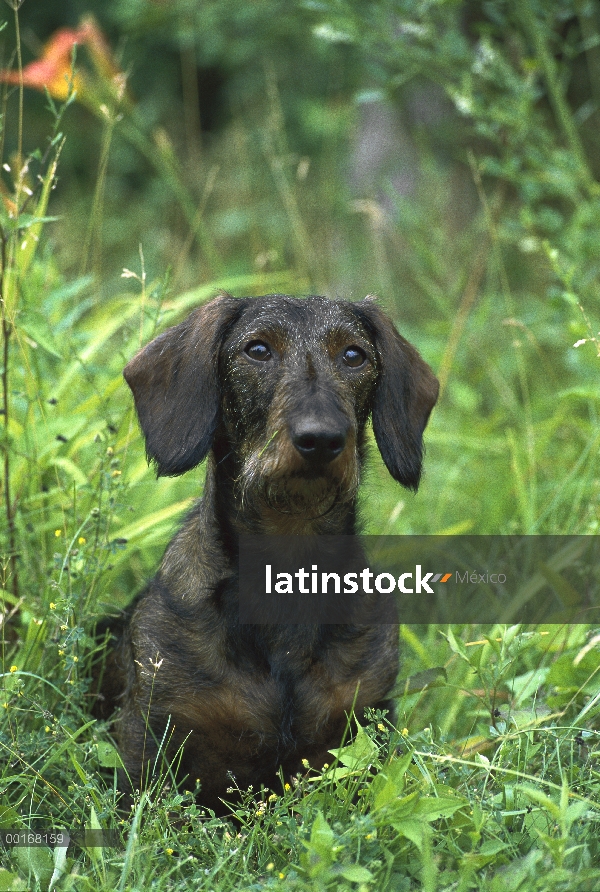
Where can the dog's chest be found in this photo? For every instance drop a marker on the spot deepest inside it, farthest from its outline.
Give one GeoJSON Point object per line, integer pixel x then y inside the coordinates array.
{"type": "Point", "coordinates": [286, 706]}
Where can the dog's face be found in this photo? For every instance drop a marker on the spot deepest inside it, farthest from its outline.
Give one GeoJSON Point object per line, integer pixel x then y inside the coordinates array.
{"type": "Point", "coordinates": [297, 383]}
{"type": "Point", "coordinates": [283, 388]}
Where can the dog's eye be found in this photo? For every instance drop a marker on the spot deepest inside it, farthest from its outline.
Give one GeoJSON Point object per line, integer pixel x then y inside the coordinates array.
{"type": "Point", "coordinates": [354, 357]}
{"type": "Point", "coordinates": [258, 350]}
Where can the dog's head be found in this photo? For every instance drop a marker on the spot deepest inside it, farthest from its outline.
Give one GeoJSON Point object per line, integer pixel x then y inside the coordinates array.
{"type": "Point", "coordinates": [286, 387]}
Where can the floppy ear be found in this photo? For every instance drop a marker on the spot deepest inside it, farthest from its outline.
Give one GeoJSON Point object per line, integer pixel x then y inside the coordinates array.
{"type": "Point", "coordinates": [405, 394]}
{"type": "Point", "coordinates": [175, 386]}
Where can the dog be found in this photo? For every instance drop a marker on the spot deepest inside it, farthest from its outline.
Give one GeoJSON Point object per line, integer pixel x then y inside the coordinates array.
{"type": "Point", "coordinates": [277, 391]}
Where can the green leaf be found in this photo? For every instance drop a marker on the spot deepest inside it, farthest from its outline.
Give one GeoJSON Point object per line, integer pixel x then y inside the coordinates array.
{"type": "Point", "coordinates": [418, 809]}
{"type": "Point", "coordinates": [11, 599]}
{"type": "Point", "coordinates": [388, 785]}
{"type": "Point", "coordinates": [576, 811]}
{"type": "Point", "coordinates": [10, 882]}
{"type": "Point", "coordinates": [322, 838]}
{"type": "Point", "coordinates": [355, 873]}
{"type": "Point", "coordinates": [95, 854]}
{"type": "Point", "coordinates": [151, 521]}
{"type": "Point", "coordinates": [543, 801]}
{"type": "Point", "coordinates": [456, 646]}
{"type": "Point", "coordinates": [401, 807]}
{"type": "Point", "coordinates": [433, 807]}
{"type": "Point", "coordinates": [492, 847]}
{"type": "Point", "coordinates": [36, 327]}
{"type": "Point", "coordinates": [78, 769]}
{"type": "Point", "coordinates": [29, 245]}
{"type": "Point", "coordinates": [26, 221]}
{"type": "Point", "coordinates": [60, 866]}
{"type": "Point", "coordinates": [421, 681]}
{"type": "Point", "coordinates": [108, 755]}
{"type": "Point", "coordinates": [360, 753]}
{"type": "Point", "coordinates": [412, 830]}
{"type": "Point", "coordinates": [9, 818]}
{"type": "Point", "coordinates": [36, 860]}
{"type": "Point", "coordinates": [70, 467]}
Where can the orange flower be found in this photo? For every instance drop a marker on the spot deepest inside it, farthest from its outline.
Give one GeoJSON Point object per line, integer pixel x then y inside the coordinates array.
{"type": "Point", "coordinates": [53, 71]}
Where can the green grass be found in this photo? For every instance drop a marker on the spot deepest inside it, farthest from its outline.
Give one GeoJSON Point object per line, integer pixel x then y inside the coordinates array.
{"type": "Point", "coordinates": [490, 779]}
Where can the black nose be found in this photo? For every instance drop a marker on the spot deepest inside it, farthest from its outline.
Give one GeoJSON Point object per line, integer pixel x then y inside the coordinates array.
{"type": "Point", "coordinates": [318, 442]}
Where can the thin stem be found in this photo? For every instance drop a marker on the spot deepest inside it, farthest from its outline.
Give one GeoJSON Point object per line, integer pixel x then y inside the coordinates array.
{"type": "Point", "coordinates": [20, 118]}
{"type": "Point", "coordinates": [7, 330]}
{"type": "Point", "coordinates": [94, 230]}
{"type": "Point", "coordinates": [10, 517]}
{"type": "Point", "coordinates": [276, 151]}
{"type": "Point", "coordinates": [160, 158]}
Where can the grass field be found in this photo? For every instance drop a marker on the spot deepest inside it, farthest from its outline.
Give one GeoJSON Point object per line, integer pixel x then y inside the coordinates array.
{"type": "Point", "coordinates": [490, 778]}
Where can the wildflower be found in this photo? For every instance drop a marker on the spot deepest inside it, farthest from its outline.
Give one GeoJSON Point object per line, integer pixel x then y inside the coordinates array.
{"type": "Point", "coordinates": [286, 787]}
{"type": "Point", "coordinates": [58, 533]}
{"type": "Point", "coordinates": [381, 726]}
{"type": "Point", "coordinates": [273, 797]}
{"type": "Point", "coordinates": [81, 540]}
{"type": "Point", "coordinates": [405, 732]}
{"type": "Point", "coordinates": [52, 605]}
{"type": "Point", "coordinates": [270, 865]}
{"type": "Point", "coordinates": [282, 876]}
{"type": "Point", "coordinates": [13, 668]}
{"type": "Point", "coordinates": [169, 851]}
{"type": "Point", "coordinates": [305, 763]}
{"type": "Point", "coordinates": [53, 71]}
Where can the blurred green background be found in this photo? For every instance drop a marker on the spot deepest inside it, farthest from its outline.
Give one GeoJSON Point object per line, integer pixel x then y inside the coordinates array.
{"type": "Point", "coordinates": [443, 155]}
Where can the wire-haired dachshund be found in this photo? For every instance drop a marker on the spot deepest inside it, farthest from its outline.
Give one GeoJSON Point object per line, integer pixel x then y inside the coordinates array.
{"type": "Point", "coordinates": [277, 391]}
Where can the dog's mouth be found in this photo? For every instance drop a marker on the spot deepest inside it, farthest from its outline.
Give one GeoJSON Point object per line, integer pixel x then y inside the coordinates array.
{"type": "Point", "coordinates": [305, 492]}
{"type": "Point", "coordinates": [310, 498]}
{"type": "Point", "coordinates": [311, 474]}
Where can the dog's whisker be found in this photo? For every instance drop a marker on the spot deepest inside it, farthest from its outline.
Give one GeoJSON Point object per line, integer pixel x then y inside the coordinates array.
{"type": "Point", "coordinates": [225, 457]}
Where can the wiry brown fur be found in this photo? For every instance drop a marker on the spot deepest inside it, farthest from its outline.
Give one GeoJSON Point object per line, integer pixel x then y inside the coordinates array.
{"type": "Point", "coordinates": [286, 442]}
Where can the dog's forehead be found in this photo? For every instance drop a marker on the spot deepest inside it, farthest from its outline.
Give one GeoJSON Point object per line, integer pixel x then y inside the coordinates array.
{"type": "Point", "coordinates": [298, 319]}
